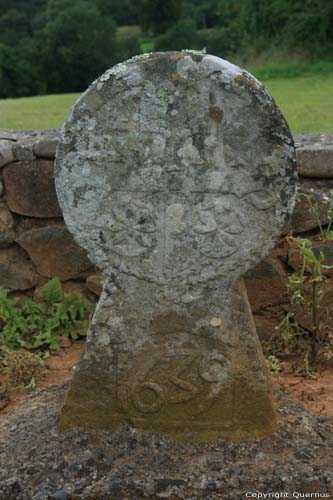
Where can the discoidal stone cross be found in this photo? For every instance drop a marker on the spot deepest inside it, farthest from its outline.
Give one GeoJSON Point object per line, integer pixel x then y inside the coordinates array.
{"type": "Point", "coordinates": [176, 172]}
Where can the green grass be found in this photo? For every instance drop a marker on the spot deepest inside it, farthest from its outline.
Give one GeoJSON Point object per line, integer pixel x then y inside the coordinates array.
{"type": "Point", "coordinates": [35, 112]}
{"type": "Point", "coordinates": [306, 101]}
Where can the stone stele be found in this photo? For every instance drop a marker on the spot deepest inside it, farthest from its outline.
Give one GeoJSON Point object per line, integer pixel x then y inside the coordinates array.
{"type": "Point", "coordinates": [176, 172]}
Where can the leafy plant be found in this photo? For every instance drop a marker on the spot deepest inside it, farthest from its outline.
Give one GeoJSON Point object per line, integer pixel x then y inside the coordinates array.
{"type": "Point", "coordinates": [273, 364]}
{"type": "Point", "coordinates": [307, 290]}
{"type": "Point", "coordinates": [40, 325]}
{"type": "Point", "coordinates": [306, 284]}
{"type": "Point", "coordinates": [326, 232]}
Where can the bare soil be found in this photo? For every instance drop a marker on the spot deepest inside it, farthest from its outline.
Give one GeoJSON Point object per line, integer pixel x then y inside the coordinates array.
{"type": "Point", "coordinates": [315, 393]}
{"type": "Point", "coordinates": [57, 369]}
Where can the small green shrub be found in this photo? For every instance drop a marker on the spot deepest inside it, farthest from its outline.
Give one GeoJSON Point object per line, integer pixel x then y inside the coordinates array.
{"type": "Point", "coordinates": [273, 364]}
{"type": "Point", "coordinates": [182, 35]}
{"type": "Point", "coordinates": [40, 325]}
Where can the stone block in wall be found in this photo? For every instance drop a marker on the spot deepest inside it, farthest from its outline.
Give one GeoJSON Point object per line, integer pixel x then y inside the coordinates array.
{"type": "Point", "coordinates": [303, 314]}
{"type": "Point", "coordinates": [94, 284]}
{"type": "Point", "coordinates": [46, 147]}
{"type": "Point", "coordinates": [267, 284]}
{"type": "Point", "coordinates": [16, 270]}
{"type": "Point", "coordinates": [295, 256]}
{"type": "Point", "coordinates": [23, 150]}
{"type": "Point", "coordinates": [268, 320]}
{"type": "Point", "coordinates": [6, 152]}
{"type": "Point", "coordinates": [315, 155]}
{"type": "Point", "coordinates": [303, 219]}
{"type": "Point", "coordinates": [55, 253]}
{"type": "Point", "coordinates": [26, 145]}
{"type": "Point", "coordinates": [267, 288]}
{"type": "Point", "coordinates": [30, 188]}
{"type": "Point", "coordinates": [7, 226]}
{"type": "Point", "coordinates": [24, 224]}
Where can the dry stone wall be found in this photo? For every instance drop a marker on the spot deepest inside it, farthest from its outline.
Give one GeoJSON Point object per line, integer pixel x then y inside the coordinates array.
{"type": "Point", "coordinates": [35, 244]}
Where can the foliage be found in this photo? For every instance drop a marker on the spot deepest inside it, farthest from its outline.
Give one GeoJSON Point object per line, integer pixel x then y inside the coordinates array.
{"type": "Point", "coordinates": [76, 44]}
{"type": "Point", "coordinates": [18, 75]}
{"type": "Point", "coordinates": [53, 46]}
{"type": "Point", "coordinates": [273, 364]}
{"type": "Point", "coordinates": [182, 35]}
{"type": "Point", "coordinates": [307, 287]}
{"type": "Point", "coordinates": [40, 325]}
{"type": "Point", "coordinates": [157, 16]}
{"type": "Point", "coordinates": [61, 46]}
{"type": "Point", "coordinates": [291, 23]}
{"type": "Point", "coordinates": [128, 43]}
{"type": "Point", "coordinates": [124, 12]}
{"type": "Point", "coordinates": [219, 41]}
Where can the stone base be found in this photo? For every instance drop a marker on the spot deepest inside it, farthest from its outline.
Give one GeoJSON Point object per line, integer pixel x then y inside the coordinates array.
{"type": "Point", "coordinates": [194, 372]}
{"type": "Point", "coordinates": [139, 465]}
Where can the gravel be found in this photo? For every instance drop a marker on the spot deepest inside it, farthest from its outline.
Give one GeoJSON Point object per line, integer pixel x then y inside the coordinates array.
{"type": "Point", "coordinates": [38, 463]}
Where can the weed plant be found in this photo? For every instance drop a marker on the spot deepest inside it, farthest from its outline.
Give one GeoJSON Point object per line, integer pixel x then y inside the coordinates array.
{"type": "Point", "coordinates": [307, 287]}
{"type": "Point", "coordinates": [39, 326]}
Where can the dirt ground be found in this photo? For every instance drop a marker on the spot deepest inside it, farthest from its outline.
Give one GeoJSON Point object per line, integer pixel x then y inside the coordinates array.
{"type": "Point", "coordinates": [316, 394]}
{"type": "Point", "coordinates": [57, 369]}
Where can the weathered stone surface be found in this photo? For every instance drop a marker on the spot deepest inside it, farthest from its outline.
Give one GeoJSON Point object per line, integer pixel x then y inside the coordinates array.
{"type": "Point", "coordinates": [303, 219]}
{"type": "Point", "coordinates": [181, 364]}
{"type": "Point", "coordinates": [176, 172]}
{"type": "Point", "coordinates": [315, 155]}
{"type": "Point", "coordinates": [30, 188]}
{"type": "Point", "coordinates": [54, 252]}
{"type": "Point", "coordinates": [23, 150]}
{"type": "Point", "coordinates": [16, 271]}
{"type": "Point", "coordinates": [26, 135]}
{"type": "Point", "coordinates": [267, 288]}
{"type": "Point", "coordinates": [6, 152]}
{"type": "Point", "coordinates": [46, 147]}
{"type": "Point", "coordinates": [146, 162]}
{"type": "Point", "coordinates": [24, 224]}
{"type": "Point", "coordinates": [7, 226]}
{"type": "Point", "coordinates": [94, 284]}
{"type": "Point", "coordinates": [267, 284]}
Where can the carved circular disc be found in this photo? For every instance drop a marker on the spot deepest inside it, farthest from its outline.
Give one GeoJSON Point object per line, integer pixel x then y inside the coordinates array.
{"type": "Point", "coordinates": [176, 166]}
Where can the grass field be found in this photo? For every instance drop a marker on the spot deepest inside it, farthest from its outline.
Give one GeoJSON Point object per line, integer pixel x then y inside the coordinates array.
{"type": "Point", "coordinates": [306, 101]}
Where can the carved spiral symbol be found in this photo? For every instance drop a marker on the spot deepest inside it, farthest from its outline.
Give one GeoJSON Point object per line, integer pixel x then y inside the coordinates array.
{"type": "Point", "coordinates": [154, 406]}
{"type": "Point", "coordinates": [211, 368]}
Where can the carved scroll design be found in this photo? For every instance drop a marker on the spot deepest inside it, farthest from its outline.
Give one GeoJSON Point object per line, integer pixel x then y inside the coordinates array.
{"type": "Point", "coordinates": [149, 395]}
{"type": "Point", "coordinates": [132, 228]}
{"type": "Point", "coordinates": [217, 227]}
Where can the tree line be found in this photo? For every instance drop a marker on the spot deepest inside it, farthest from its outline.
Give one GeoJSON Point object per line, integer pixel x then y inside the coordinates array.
{"type": "Point", "coordinates": [56, 46]}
